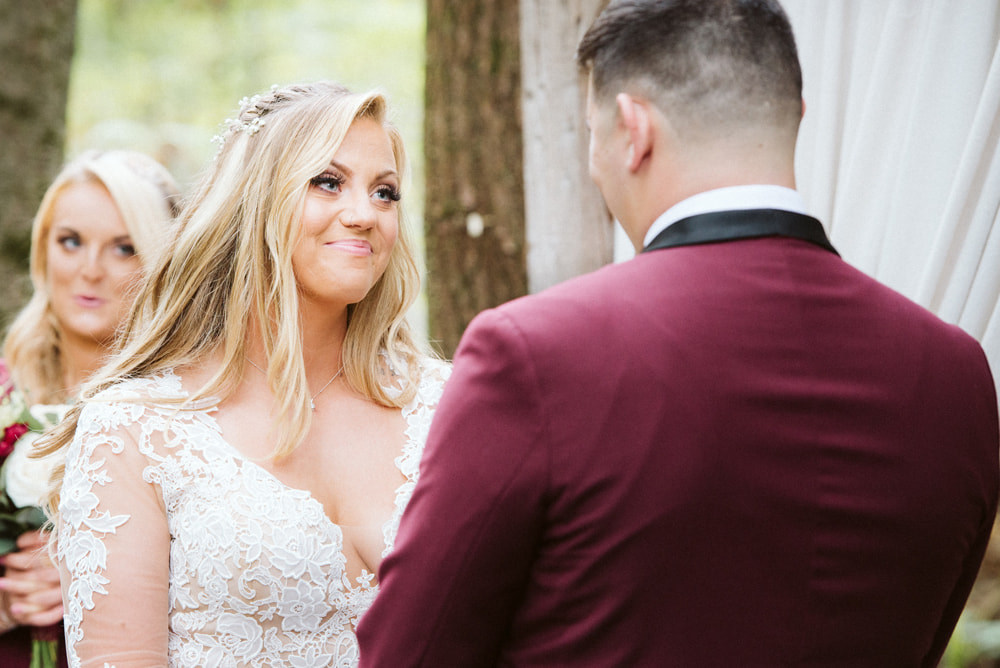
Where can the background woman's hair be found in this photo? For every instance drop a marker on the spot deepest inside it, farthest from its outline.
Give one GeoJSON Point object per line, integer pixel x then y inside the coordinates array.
{"type": "Point", "coordinates": [146, 196]}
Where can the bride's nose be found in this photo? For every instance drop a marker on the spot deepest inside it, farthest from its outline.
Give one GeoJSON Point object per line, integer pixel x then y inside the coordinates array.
{"type": "Point", "coordinates": [360, 215]}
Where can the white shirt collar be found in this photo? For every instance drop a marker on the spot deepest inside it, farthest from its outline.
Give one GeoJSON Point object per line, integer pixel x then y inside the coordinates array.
{"type": "Point", "coordinates": [728, 199]}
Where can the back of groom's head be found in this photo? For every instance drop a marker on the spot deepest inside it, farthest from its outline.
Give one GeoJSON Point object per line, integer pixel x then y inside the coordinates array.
{"type": "Point", "coordinates": [707, 64]}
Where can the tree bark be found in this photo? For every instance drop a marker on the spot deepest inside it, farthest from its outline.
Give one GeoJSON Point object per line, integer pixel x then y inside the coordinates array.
{"type": "Point", "coordinates": [36, 50]}
{"type": "Point", "coordinates": [569, 229]}
{"type": "Point", "coordinates": [474, 211]}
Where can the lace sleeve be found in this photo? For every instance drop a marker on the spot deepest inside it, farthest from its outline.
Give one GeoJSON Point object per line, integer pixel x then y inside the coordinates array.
{"type": "Point", "coordinates": [113, 543]}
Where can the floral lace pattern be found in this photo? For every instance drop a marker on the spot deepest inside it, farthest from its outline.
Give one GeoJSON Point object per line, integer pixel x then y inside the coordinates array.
{"type": "Point", "coordinates": [257, 570]}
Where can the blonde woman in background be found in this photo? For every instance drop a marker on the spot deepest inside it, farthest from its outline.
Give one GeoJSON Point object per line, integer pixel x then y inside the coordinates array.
{"type": "Point", "coordinates": [102, 222]}
{"type": "Point", "coordinates": [235, 476]}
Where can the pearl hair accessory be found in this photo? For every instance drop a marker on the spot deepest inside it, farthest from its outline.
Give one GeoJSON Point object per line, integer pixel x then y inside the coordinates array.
{"type": "Point", "coordinates": [249, 119]}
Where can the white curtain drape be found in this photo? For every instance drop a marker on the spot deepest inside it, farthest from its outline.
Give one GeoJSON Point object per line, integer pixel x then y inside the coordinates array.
{"type": "Point", "coordinates": [898, 149]}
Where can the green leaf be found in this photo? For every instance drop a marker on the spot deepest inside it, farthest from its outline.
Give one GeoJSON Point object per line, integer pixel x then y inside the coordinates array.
{"type": "Point", "coordinates": [7, 545]}
{"type": "Point", "coordinates": [31, 518]}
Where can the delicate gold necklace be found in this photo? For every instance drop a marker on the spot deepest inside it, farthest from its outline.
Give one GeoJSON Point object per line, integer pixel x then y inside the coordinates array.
{"type": "Point", "coordinates": [312, 399]}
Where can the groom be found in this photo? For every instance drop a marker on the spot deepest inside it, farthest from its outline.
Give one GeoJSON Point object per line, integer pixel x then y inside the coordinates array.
{"type": "Point", "coordinates": [732, 450]}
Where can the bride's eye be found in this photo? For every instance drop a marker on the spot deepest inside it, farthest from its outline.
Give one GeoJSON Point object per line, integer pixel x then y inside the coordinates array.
{"type": "Point", "coordinates": [388, 193]}
{"type": "Point", "coordinates": [331, 183]}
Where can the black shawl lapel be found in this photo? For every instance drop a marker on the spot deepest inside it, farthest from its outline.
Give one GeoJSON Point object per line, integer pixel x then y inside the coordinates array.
{"type": "Point", "coordinates": [708, 228]}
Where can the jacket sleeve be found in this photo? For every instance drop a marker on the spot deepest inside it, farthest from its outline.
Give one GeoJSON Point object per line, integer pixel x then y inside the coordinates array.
{"type": "Point", "coordinates": [985, 435]}
{"type": "Point", "coordinates": [466, 541]}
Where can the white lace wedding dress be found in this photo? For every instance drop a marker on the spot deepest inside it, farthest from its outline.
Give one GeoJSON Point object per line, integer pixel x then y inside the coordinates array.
{"type": "Point", "coordinates": [256, 568]}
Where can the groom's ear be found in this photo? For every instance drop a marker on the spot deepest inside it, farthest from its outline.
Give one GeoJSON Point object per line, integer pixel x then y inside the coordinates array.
{"type": "Point", "coordinates": [635, 116]}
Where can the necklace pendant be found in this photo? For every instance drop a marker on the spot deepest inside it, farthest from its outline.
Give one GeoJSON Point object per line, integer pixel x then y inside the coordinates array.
{"type": "Point", "coordinates": [312, 405]}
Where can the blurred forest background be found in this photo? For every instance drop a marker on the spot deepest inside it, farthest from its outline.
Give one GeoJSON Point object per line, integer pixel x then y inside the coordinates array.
{"type": "Point", "coordinates": [161, 75]}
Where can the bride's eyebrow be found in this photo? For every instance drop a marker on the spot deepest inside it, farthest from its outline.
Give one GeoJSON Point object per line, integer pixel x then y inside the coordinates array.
{"type": "Point", "coordinates": [350, 172]}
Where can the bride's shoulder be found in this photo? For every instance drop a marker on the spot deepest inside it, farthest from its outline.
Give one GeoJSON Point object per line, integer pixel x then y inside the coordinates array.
{"type": "Point", "coordinates": [432, 374]}
{"type": "Point", "coordinates": [434, 367]}
{"type": "Point", "coordinates": [161, 386]}
{"type": "Point", "coordinates": [419, 368]}
{"type": "Point", "coordinates": [127, 400]}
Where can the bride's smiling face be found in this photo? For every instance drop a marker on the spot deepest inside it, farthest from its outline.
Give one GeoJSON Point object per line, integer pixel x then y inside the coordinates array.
{"type": "Point", "coordinates": [350, 220]}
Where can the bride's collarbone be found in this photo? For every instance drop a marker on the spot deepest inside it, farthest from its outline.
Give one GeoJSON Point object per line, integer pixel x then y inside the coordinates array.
{"type": "Point", "coordinates": [348, 465]}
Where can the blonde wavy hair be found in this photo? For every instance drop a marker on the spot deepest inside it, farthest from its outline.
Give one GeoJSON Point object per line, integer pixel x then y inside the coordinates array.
{"type": "Point", "coordinates": [230, 269]}
{"type": "Point", "coordinates": [146, 196]}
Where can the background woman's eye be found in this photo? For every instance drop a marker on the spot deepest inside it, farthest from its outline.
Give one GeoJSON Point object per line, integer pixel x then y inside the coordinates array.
{"type": "Point", "coordinates": [69, 242]}
{"type": "Point", "coordinates": [328, 182]}
{"type": "Point", "coordinates": [125, 250]}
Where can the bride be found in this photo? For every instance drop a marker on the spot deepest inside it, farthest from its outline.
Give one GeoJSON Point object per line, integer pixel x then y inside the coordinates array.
{"type": "Point", "coordinates": [236, 474]}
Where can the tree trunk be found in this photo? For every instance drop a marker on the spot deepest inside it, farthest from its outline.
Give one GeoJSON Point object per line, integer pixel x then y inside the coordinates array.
{"type": "Point", "coordinates": [474, 212]}
{"type": "Point", "coordinates": [569, 229]}
{"type": "Point", "coordinates": [36, 49]}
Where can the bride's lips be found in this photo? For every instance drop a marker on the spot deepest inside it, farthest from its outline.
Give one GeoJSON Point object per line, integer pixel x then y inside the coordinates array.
{"type": "Point", "coordinates": [353, 246]}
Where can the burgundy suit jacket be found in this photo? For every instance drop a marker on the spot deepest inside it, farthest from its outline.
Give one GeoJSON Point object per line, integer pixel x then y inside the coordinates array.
{"type": "Point", "coordinates": [734, 454]}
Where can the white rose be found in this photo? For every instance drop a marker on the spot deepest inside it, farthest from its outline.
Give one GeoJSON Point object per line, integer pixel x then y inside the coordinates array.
{"type": "Point", "coordinates": [10, 409]}
{"type": "Point", "coordinates": [49, 415]}
{"type": "Point", "coordinates": [26, 478]}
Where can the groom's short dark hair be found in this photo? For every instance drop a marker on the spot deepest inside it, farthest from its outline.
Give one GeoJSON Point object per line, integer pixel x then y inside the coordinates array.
{"type": "Point", "coordinates": [713, 61]}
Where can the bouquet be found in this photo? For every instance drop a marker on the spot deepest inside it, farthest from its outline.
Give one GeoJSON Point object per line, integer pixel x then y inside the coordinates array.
{"type": "Point", "coordinates": [22, 483]}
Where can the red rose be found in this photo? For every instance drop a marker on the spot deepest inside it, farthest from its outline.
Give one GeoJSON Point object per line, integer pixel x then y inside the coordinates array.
{"type": "Point", "coordinates": [10, 436]}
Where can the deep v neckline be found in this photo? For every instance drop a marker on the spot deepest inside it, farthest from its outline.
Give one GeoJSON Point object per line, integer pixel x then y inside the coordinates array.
{"type": "Point", "coordinates": [306, 494]}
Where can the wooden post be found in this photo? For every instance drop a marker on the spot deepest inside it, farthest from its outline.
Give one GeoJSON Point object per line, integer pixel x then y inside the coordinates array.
{"type": "Point", "coordinates": [567, 226]}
